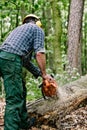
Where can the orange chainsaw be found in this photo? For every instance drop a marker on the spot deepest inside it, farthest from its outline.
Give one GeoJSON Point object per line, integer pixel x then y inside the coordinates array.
{"type": "Point", "coordinates": [48, 88]}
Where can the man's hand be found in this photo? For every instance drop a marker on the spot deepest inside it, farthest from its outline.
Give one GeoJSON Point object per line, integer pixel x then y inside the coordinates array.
{"type": "Point", "coordinates": [48, 78]}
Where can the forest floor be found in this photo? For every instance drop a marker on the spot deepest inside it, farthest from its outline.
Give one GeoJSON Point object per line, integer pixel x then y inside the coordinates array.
{"type": "Point", "coordinates": [76, 120]}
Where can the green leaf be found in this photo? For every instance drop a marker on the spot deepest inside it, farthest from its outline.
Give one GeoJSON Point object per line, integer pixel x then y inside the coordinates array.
{"type": "Point", "coordinates": [14, 0]}
{"type": "Point", "coordinates": [0, 6]}
{"type": "Point", "coordinates": [6, 3]}
{"type": "Point", "coordinates": [36, 6]}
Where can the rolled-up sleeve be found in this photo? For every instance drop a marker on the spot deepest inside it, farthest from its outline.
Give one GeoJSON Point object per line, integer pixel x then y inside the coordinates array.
{"type": "Point", "coordinates": [39, 40]}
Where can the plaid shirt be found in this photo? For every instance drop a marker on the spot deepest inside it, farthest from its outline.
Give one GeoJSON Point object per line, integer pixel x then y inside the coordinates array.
{"type": "Point", "coordinates": [23, 39]}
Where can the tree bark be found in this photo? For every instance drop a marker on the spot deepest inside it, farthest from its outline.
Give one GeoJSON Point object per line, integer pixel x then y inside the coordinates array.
{"type": "Point", "coordinates": [74, 35]}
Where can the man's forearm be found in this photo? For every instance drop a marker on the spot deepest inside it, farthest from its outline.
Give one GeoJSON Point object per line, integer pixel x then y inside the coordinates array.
{"type": "Point", "coordinates": [41, 60]}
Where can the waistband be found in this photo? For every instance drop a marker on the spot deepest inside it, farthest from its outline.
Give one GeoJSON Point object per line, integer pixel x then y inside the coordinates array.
{"type": "Point", "coordinates": [8, 55]}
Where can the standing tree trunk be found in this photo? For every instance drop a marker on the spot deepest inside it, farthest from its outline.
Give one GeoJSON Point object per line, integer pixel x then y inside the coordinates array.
{"type": "Point", "coordinates": [56, 41]}
{"type": "Point", "coordinates": [84, 46]}
{"type": "Point", "coordinates": [74, 35]}
{"type": "Point", "coordinates": [48, 32]}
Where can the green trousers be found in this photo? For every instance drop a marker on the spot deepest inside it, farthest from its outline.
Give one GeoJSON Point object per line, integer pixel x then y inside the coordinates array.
{"type": "Point", "coordinates": [15, 112]}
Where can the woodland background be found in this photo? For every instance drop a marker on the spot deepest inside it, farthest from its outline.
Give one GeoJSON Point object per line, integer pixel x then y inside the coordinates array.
{"type": "Point", "coordinates": [65, 26]}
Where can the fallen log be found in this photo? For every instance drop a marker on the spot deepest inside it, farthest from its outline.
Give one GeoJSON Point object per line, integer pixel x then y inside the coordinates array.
{"type": "Point", "coordinates": [68, 111]}
{"type": "Point", "coordinates": [51, 112]}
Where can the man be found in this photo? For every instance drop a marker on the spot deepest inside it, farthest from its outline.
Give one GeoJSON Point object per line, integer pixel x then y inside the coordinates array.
{"type": "Point", "coordinates": [20, 44]}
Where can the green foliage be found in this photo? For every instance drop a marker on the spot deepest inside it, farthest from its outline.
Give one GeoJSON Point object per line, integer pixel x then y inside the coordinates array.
{"type": "Point", "coordinates": [65, 78]}
{"type": "Point", "coordinates": [33, 90]}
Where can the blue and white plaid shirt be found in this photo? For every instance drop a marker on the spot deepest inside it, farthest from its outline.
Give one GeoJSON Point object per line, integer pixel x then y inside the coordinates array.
{"type": "Point", "coordinates": [23, 39]}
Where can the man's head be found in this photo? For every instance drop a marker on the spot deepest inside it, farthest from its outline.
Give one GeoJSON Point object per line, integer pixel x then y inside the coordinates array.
{"type": "Point", "coordinates": [32, 18]}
